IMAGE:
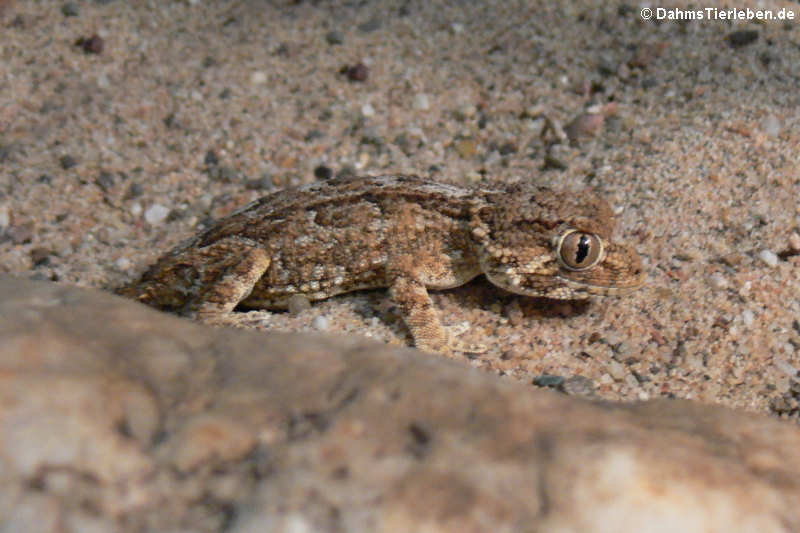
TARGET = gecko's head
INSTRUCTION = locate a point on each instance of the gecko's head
(538, 242)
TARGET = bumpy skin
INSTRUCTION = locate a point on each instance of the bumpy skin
(395, 231)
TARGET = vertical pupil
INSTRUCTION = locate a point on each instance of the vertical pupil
(582, 251)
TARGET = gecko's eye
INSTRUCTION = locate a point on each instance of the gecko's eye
(578, 251)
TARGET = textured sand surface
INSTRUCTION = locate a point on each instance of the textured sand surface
(192, 109)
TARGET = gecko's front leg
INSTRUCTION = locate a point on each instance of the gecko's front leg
(408, 282)
(237, 267)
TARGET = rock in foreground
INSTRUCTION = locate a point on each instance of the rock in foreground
(114, 417)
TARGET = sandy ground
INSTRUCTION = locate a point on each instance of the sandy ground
(191, 109)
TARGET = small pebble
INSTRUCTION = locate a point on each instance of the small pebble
(370, 25)
(211, 158)
(748, 317)
(136, 209)
(134, 191)
(259, 77)
(67, 162)
(616, 370)
(123, 263)
(323, 172)
(367, 110)
(794, 241)
(156, 214)
(334, 37)
(421, 102)
(70, 10)
(579, 386)
(468, 110)
(91, 45)
(5, 217)
(718, 281)
(769, 257)
(320, 323)
(40, 256)
(742, 38)
(457, 27)
(548, 380)
(771, 126)
(105, 180)
(357, 72)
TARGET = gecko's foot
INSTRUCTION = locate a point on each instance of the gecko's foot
(247, 320)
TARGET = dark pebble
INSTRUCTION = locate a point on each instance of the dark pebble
(67, 162)
(282, 50)
(313, 135)
(263, 183)
(41, 256)
(323, 173)
(225, 94)
(357, 72)
(70, 10)
(649, 83)
(606, 68)
(552, 162)
(171, 121)
(209, 62)
(548, 380)
(334, 37)
(507, 148)
(91, 45)
(211, 158)
(742, 38)
(105, 180)
(18, 22)
(370, 25)
(134, 191)
(45, 179)
(5, 153)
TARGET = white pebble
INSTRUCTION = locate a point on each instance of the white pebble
(718, 281)
(421, 102)
(794, 241)
(748, 317)
(123, 263)
(468, 110)
(320, 323)
(156, 214)
(5, 217)
(616, 370)
(136, 209)
(457, 27)
(768, 257)
(771, 125)
(259, 77)
(367, 110)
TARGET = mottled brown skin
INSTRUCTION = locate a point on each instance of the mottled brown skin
(395, 231)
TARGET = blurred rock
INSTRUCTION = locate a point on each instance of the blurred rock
(115, 417)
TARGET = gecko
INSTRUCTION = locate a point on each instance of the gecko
(400, 232)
